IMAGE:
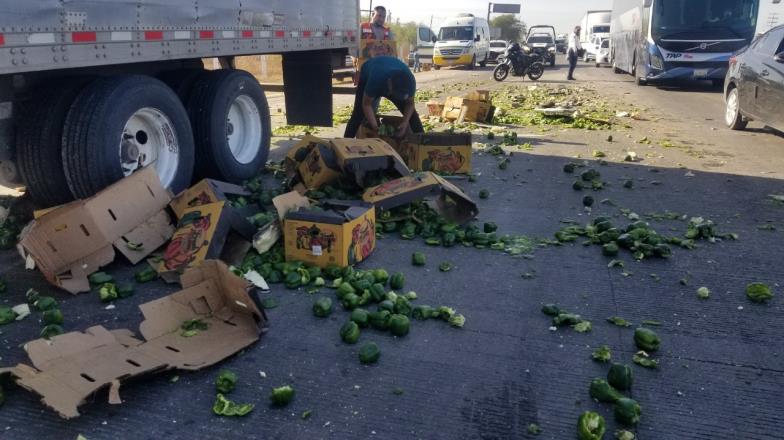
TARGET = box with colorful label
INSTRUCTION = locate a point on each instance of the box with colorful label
(443, 153)
(444, 197)
(211, 231)
(205, 192)
(368, 160)
(298, 152)
(320, 167)
(339, 233)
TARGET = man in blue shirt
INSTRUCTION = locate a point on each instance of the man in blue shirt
(390, 78)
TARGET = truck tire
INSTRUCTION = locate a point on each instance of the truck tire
(121, 124)
(39, 142)
(182, 81)
(231, 125)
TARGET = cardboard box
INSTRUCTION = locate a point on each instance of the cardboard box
(320, 167)
(343, 233)
(388, 120)
(365, 160)
(211, 231)
(71, 367)
(205, 192)
(444, 153)
(447, 199)
(435, 108)
(373, 48)
(298, 152)
(479, 95)
(69, 243)
(465, 110)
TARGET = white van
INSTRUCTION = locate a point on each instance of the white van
(462, 41)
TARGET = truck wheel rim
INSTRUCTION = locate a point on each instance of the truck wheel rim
(149, 139)
(732, 107)
(244, 129)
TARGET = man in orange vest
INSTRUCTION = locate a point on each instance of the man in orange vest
(375, 29)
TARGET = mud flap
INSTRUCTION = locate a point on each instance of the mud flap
(307, 79)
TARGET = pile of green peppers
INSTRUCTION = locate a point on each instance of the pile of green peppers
(638, 238)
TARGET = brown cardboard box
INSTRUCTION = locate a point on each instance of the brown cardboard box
(343, 233)
(465, 110)
(211, 231)
(435, 108)
(449, 200)
(365, 160)
(479, 95)
(74, 240)
(373, 48)
(444, 153)
(71, 367)
(205, 192)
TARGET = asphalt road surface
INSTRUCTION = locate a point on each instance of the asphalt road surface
(721, 371)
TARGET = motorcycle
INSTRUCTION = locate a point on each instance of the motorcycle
(521, 62)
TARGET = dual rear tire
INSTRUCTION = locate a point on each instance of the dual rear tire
(97, 131)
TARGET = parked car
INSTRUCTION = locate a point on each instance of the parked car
(561, 44)
(497, 48)
(754, 86)
(592, 48)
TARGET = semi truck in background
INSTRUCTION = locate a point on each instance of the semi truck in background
(657, 40)
(94, 90)
(595, 23)
(771, 14)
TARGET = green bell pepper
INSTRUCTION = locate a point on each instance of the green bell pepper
(349, 333)
(350, 301)
(646, 339)
(369, 353)
(418, 259)
(51, 330)
(100, 278)
(627, 411)
(53, 316)
(226, 381)
(322, 307)
(44, 303)
(381, 276)
(603, 391)
(402, 306)
(282, 396)
(551, 310)
(422, 312)
(399, 325)
(620, 376)
(397, 281)
(7, 315)
(758, 292)
(590, 426)
(379, 320)
(361, 317)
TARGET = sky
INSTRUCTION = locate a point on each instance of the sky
(563, 14)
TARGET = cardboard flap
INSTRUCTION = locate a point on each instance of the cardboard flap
(289, 202)
(204, 192)
(146, 238)
(449, 200)
(333, 212)
(439, 139)
(73, 366)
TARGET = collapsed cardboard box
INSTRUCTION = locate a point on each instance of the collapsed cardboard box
(444, 197)
(73, 366)
(339, 233)
(362, 160)
(205, 232)
(461, 110)
(72, 241)
(445, 153)
(392, 121)
(479, 95)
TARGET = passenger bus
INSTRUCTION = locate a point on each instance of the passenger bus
(658, 40)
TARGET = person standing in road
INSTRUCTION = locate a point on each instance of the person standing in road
(376, 29)
(390, 78)
(573, 52)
